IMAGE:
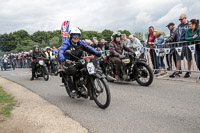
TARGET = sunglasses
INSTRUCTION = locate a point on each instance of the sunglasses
(75, 37)
(181, 19)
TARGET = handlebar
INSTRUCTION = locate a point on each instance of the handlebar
(88, 57)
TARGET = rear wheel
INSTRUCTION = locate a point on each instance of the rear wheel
(145, 75)
(101, 93)
(45, 74)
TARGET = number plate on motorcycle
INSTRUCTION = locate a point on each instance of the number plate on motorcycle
(91, 68)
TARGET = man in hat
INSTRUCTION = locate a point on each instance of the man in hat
(171, 39)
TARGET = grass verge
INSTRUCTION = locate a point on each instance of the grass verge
(6, 104)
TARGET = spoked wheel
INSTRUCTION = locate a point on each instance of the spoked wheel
(68, 90)
(55, 70)
(109, 73)
(145, 75)
(101, 93)
(45, 74)
(65, 80)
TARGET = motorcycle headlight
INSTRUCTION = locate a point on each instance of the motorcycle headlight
(82, 61)
(41, 62)
(137, 53)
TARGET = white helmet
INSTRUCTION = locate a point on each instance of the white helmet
(74, 31)
(48, 48)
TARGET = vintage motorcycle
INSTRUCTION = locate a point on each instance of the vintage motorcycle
(87, 79)
(41, 69)
(133, 68)
(55, 65)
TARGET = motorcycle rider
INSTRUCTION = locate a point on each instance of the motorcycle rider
(48, 54)
(116, 50)
(35, 54)
(77, 47)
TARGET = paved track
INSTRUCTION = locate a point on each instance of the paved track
(164, 107)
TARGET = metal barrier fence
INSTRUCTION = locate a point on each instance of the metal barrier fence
(166, 56)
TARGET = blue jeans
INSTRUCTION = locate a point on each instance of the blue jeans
(197, 57)
(161, 62)
(155, 60)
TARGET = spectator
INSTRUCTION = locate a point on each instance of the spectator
(88, 42)
(125, 40)
(150, 44)
(159, 39)
(171, 39)
(104, 46)
(135, 43)
(28, 56)
(181, 30)
(94, 39)
(97, 45)
(111, 38)
(193, 33)
(54, 51)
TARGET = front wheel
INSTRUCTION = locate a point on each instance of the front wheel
(45, 74)
(144, 75)
(101, 93)
(13, 66)
(55, 70)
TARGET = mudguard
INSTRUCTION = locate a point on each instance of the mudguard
(98, 75)
(141, 62)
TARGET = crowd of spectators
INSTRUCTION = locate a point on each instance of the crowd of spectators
(185, 31)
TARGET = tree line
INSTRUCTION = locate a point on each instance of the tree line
(22, 41)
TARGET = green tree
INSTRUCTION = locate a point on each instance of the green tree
(139, 35)
(163, 34)
(125, 32)
(146, 35)
(107, 34)
(54, 42)
(91, 34)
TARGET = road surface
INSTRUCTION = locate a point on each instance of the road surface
(164, 107)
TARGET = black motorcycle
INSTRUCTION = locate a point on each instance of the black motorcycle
(132, 68)
(87, 79)
(55, 65)
(13, 64)
(41, 69)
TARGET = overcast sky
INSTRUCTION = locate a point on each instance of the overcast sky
(132, 15)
